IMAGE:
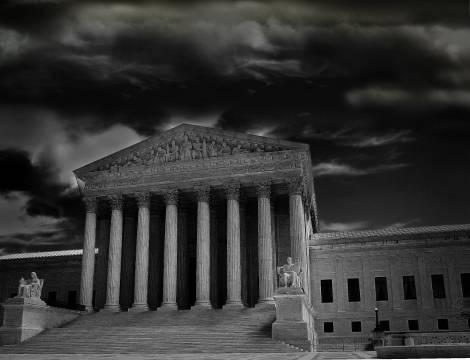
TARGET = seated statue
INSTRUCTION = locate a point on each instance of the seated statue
(290, 274)
(30, 288)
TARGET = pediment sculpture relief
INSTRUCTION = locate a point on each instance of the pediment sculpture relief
(290, 274)
(31, 288)
(186, 147)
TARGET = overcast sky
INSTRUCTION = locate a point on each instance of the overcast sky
(381, 94)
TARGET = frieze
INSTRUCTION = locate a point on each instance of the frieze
(141, 180)
(263, 162)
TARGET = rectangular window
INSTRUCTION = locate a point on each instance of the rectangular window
(72, 297)
(413, 325)
(438, 288)
(326, 291)
(409, 288)
(356, 326)
(443, 324)
(465, 281)
(381, 291)
(354, 293)
(384, 325)
(328, 327)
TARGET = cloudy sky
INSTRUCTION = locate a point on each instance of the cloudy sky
(380, 91)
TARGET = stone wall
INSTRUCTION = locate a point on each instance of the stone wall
(365, 260)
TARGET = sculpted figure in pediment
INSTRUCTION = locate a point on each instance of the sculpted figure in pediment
(204, 148)
(173, 151)
(224, 149)
(186, 147)
(196, 152)
(212, 149)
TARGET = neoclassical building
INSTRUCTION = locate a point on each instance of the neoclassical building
(222, 209)
(201, 218)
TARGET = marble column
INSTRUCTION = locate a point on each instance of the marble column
(114, 257)
(170, 251)
(203, 248)
(297, 226)
(142, 253)
(265, 246)
(233, 247)
(88, 257)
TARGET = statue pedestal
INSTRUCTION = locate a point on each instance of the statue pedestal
(26, 317)
(293, 323)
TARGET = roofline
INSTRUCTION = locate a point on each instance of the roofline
(255, 138)
(44, 254)
(334, 237)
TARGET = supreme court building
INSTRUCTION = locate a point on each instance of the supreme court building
(196, 217)
(201, 218)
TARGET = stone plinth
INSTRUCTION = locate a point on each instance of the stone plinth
(27, 317)
(293, 323)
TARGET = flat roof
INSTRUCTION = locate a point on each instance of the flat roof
(408, 232)
(44, 254)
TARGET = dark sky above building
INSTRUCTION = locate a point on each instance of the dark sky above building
(379, 89)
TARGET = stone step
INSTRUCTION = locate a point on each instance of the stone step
(159, 332)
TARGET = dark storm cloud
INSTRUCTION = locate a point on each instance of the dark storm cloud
(137, 65)
(378, 92)
(47, 196)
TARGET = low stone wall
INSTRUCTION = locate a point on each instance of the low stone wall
(24, 318)
(425, 338)
(423, 351)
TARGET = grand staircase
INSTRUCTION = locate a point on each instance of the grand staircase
(159, 332)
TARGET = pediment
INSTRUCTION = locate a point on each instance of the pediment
(187, 143)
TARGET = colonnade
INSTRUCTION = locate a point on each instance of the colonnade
(232, 192)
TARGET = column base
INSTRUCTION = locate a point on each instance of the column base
(233, 305)
(139, 308)
(111, 308)
(88, 308)
(168, 307)
(201, 305)
(265, 301)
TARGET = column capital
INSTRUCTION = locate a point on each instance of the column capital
(232, 191)
(116, 201)
(90, 203)
(171, 197)
(143, 199)
(295, 186)
(263, 189)
(203, 193)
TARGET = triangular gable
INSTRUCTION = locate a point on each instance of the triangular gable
(187, 143)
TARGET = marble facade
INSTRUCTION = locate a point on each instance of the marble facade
(195, 172)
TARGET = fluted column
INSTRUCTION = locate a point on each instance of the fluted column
(203, 248)
(297, 226)
(265, 246)
(88, 257)
(142, 253)
(114, 257)
(170, 262)
(233, 246)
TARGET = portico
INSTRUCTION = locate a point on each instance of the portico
(195, 217)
